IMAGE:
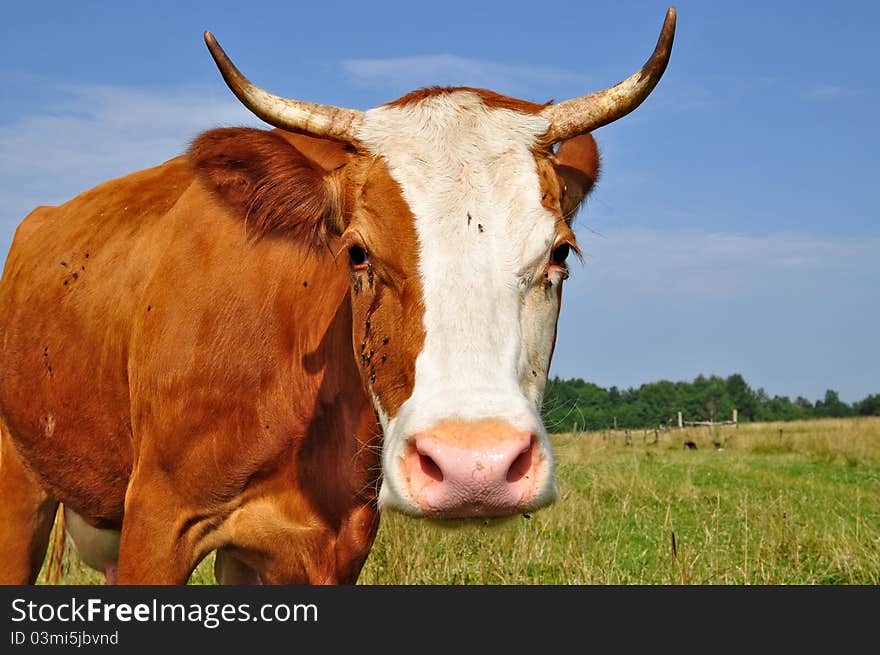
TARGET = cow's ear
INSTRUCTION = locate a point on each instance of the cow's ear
(578, 169)
(269, 184)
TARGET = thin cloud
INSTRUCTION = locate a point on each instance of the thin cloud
(695, 265)
(406, 73)
(94, 133)
(830, 92)
(794, 313)
(647, 303)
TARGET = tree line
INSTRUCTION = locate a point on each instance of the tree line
(578, 405)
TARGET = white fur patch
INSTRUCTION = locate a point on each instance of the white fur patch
(469, 176)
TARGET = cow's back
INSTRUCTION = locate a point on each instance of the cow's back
(70, 289)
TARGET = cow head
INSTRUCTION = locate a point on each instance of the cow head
(454, 214)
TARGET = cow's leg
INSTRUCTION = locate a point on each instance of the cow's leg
(304, 557)
(159, 542)
(281, 547)
(229, 570)
(26, 517)
(287, 552)
(355, 541)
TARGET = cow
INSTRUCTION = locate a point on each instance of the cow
(257, 346)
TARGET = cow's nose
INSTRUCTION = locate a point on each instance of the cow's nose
(462, 469)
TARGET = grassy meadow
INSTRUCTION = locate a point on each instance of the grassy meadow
(761, 503)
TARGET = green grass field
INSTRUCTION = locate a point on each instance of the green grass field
(779, 503)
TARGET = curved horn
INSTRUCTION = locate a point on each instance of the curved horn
(579, 115)
(307, 117)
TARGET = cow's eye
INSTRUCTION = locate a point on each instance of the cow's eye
(560, 254)
(358, 257)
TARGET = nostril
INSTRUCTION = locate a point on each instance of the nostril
(521, 465)
(430, 468)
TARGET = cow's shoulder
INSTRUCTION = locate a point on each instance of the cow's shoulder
(32, 222)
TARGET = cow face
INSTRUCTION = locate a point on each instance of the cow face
(452, 218)
(456, 230)
(455, 222)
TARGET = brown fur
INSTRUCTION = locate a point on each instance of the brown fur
(274, 188)
(578, 166)
(566, 178)
(205, 381)
(28, 514)
(387, 305)
(490, 99)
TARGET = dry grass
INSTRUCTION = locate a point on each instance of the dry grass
(800, 506)
(779, 503)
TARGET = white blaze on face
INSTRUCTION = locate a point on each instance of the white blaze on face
(468, 174)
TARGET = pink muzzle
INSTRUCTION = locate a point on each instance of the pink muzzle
(459, 469)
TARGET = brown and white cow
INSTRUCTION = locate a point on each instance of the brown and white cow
(254, 347)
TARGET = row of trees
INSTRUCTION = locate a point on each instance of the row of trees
(583, 405)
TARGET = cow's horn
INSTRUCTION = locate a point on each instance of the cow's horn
(307, 117)
(579, 115)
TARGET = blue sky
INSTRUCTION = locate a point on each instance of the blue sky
(734, 228)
